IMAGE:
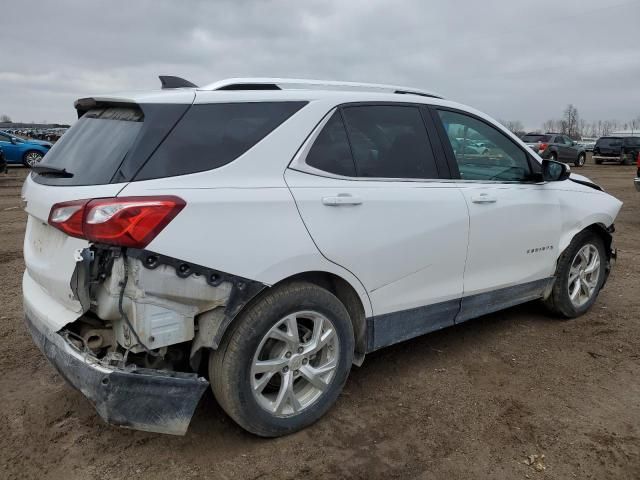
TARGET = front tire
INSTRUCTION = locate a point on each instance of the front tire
(286, 360)
(32, 158)
(580, 161)
(580, 275)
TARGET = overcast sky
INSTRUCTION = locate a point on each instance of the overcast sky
(515, 60)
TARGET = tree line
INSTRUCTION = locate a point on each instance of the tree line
(575, 127)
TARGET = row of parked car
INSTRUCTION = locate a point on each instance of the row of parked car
(46, 134)
(623, 149)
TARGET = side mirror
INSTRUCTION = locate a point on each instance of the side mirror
(553, 171)
(574, 143)
(14, 140)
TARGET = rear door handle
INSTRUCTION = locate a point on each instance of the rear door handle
(341, 199)
(484, 198)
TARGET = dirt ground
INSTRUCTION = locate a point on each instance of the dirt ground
(472, 401)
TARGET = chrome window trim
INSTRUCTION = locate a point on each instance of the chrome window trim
(299, 163)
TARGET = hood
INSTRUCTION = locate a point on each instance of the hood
(575, 176)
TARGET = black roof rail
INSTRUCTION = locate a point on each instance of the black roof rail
(251, 86)
(169, 81)
(421, 94)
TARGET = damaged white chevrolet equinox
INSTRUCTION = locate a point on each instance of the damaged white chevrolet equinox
(265, 234)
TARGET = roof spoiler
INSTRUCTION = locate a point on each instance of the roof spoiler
(169, 81)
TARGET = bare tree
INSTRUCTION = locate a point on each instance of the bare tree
(583, 128)
(5, 119)
(514, 126)
(570, 121)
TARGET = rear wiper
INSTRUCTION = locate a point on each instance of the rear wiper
(51, 171)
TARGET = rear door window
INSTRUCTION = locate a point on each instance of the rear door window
(632, 142)
(389, 141)
(212, 135)
(331, 151)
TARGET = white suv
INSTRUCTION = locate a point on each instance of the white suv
(277, 231)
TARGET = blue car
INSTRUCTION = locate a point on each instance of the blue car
(19, 150)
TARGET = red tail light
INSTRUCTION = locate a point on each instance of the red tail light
(542, 146)
(125, 221)
(68, 217)
(638, 160)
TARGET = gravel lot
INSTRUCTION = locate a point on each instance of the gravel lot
(472, 401)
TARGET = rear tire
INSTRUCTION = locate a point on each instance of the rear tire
(576, 288)
(265, 376)
(580, 161)
(598, 162)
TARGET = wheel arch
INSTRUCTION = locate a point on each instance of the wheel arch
(341, 288)
(602, 231)
(349, 297)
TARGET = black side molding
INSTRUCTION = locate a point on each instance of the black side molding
(169, 81)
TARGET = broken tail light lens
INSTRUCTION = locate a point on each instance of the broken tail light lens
(123, 221)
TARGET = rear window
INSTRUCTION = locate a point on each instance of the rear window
(95, 146)
(535, 138)
(609, 142)
(212, 135)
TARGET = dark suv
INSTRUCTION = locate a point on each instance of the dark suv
(3, 162)
(555, 146)
(623, 150)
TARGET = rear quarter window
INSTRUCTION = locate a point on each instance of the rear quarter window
(212, 135)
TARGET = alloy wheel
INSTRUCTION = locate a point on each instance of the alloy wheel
(33, 158)
(583, 275)
(294, 363)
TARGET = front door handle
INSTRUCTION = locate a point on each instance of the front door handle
(341, 199)
(484, 198)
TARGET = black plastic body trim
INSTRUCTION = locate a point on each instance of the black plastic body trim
(142, 399)
(390, 328)
(489, 302)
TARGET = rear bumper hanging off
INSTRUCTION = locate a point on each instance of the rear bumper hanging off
(142, 399)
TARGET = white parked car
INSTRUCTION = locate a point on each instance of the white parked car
(279, 230)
